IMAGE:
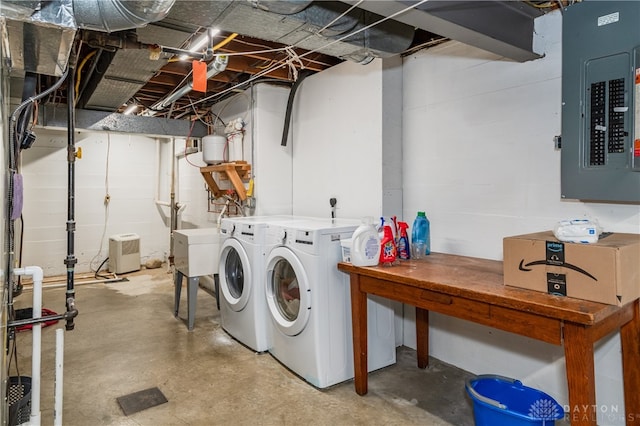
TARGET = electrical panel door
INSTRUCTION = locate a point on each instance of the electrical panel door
(601, 101)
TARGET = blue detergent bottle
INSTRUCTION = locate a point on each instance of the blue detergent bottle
(420, 236)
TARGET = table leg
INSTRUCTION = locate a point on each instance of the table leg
(422, 337)
(581, 381)
(192, 291)
(177, 290)
(630, 342)
(359, 329)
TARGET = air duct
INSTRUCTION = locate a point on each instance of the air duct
(299, 23)
(41, 34)
(216, 66)
(283, 7)
(372, 36)
(117, 15)
(505, 28)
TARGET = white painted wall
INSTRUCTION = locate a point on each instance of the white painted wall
(263, 108)
(347, 144)
(122, 166)
(137, 172)
(479, 157)
(337, 142)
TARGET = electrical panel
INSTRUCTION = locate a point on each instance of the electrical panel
(601, 101)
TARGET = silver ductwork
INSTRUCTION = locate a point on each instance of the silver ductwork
(216, 66)
(129, 69)
(505, 28)
(283, 7)
(117, 15)
(291, 22)
(298, 23)
(41, 33)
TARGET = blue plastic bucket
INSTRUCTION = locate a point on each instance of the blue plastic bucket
(501, 401)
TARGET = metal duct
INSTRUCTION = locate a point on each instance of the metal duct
(216, 66)
(37, 48)
(297, 23)
(117, 15)
(502, 27)
(18, 9)
(41, 33)
(128, 70)
(383, 40)
(291, 22)
(283, 7)
(40, 41)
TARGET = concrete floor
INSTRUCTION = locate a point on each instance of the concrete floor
(126, 339)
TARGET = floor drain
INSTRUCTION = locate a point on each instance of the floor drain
(141, 400)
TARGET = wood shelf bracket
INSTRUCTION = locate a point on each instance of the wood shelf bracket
(235, 172)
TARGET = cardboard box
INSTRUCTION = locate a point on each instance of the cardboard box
(607, 271)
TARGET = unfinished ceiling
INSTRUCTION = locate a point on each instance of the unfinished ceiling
(125, 53)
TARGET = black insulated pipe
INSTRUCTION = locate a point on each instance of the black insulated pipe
(28, 91)
(31, 321)
(292, 95)
(70, 261)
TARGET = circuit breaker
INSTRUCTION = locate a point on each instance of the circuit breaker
(601, 101)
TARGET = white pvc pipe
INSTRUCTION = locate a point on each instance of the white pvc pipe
(37, 275)
(158, 201)
(57, 411)
(224, 209)
(56, 284)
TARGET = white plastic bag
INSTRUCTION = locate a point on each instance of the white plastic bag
(577, 231)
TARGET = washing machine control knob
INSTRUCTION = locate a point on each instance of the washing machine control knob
(282, 235)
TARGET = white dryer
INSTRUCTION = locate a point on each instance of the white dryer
(309, 303)
(243, 310)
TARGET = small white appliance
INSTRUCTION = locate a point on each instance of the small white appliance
(124, 253)
(309, 303)
(243, 308)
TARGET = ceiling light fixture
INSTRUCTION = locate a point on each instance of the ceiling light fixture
(131, 109)
(201, 42)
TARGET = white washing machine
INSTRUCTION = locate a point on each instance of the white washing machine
(243, 309)
(309, 303)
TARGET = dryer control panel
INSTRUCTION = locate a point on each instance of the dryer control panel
(601, 101)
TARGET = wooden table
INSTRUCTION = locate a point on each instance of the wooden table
(472, 289)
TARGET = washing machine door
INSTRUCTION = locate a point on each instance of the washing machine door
(234, 274)
(288, 295)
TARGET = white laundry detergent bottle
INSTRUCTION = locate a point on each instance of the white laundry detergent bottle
(365, 246)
